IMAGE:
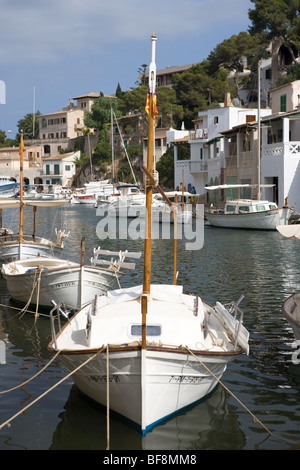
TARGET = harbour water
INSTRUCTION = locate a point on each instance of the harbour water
(258, 406)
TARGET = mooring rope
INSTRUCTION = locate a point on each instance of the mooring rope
(107, 400)
(7, 423)
(33, 377)
(255, 419)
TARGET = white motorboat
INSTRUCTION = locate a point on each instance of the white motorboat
(147, 352)
(249, 214)
(291, 306)
(39, 280)
(90, 192)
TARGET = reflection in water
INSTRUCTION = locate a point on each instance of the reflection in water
(263, 266)
(83, 426)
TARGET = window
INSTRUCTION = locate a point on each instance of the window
(244, 208)
(230, 208)
(151, 330)
(50, 122)
(260, 208)
(47, 169)
(67, 167)
(216, 120)
(245, 193)
(283, 103)
(56, 169)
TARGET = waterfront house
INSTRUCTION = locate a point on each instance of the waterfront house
(59, 169)
(207, 151)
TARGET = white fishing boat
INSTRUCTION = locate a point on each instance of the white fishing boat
(20, 245)
(249, 214)
(36, 281)
(147, 352)
(291, 306)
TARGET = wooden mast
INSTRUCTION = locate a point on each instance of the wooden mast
(148, 188)
(151, 110)
(21, 190)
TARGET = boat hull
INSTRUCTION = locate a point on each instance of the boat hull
(11, 249)
(291, 311)
(178, 379)
(265, 220)
(74, 286)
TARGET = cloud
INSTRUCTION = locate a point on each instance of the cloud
(50, 32)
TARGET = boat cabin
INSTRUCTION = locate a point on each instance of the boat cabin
(244, 206)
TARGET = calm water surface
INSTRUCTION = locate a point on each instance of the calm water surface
(263, 266)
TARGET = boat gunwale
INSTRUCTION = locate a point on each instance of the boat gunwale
(129, 348)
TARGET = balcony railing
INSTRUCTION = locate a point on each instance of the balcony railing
(192, 166)
(199, 134)
(281, 149)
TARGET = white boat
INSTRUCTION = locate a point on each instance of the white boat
(133, 204)
(291, 306)
(123, 196)
(15, 246)
(37, 281)
(147, 352)
(90, 192)
(249, 214)
(8, 187)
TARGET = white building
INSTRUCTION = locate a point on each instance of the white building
(207, 145)
(59, 169)
(280, 153)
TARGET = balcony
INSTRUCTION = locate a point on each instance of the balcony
(199, 134)
(281, 149)
(192, 166)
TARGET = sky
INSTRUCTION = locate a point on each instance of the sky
(53, 51)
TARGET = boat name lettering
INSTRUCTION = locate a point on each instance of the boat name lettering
(63, 284)
(188, 379)
(103, 378)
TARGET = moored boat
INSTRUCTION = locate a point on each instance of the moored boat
(150, 350)
(39, 280)
(249, 214)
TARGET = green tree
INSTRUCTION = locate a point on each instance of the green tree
(165, 168)
(100, 113)
(292, 75)
(119, 92)
(277, 22)
(231, 55)
(133, 100)
(2, 137)
(197, 89)
(170, 113)
(142, 80)
(29, 125)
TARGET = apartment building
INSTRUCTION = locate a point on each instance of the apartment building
(57, 129)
